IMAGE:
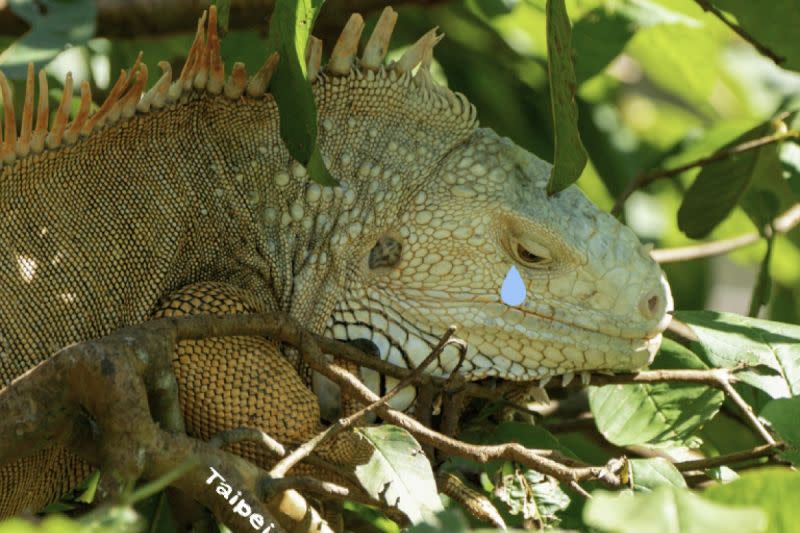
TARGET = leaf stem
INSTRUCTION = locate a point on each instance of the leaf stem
(782, 224)
(708, 6)
(646, 178)
(764, 450)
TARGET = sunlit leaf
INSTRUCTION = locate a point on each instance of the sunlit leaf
(664, 414)
(730, 340)
(773, 490)
(669, 510)
(55, 26)
(399, 473)
(783, 415)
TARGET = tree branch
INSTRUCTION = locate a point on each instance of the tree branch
(646, 178)
(782, 224)
(708, 6)
(765, 450)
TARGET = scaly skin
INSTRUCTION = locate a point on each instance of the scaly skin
(197, 186)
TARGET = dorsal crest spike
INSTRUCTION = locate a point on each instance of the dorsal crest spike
(157, 95)
(132, 97)
(260, 81)
(417, 52)
(236, 84)
(83, 112)
(24, 141)
(99, 117)
(378, 44)
(9, 150)
(42, 115)
(56, 134)
(216, 67)
(313, 57)
(346, 46)
(196, 52)
(201, 70)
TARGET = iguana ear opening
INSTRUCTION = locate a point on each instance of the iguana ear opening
(386, 253)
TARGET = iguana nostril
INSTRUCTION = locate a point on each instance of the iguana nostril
(650, 305)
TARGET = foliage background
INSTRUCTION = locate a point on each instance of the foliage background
(659, 83)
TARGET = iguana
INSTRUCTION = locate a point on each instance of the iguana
(184, 199)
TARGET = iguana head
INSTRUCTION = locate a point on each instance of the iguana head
(475, 206)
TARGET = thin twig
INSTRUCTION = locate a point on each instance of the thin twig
(782, 224)
(764, 450)
(301, 452)
(749, 415)
(244, 434)
(272, 486)
(708, 6)
(580, 490)
(646, 178)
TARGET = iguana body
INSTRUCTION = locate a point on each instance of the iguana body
(190, 183)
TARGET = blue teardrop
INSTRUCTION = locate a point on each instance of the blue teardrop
(512, 292)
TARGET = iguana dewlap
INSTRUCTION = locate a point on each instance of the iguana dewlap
(190, 182)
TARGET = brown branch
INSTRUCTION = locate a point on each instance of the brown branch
(304, 450)
(646, 178)
(708, 6)
(232, 436)
(782, 224)
(765, 450)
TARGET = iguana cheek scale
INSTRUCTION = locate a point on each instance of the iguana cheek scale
(184, 198)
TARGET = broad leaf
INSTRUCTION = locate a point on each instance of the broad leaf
(664, 414)
(399, 473)
(730, 340)
(783, 415)
(530, 494)
(773, 490)
(669, 510)
(599, 36)
(648, 474)
(570, 156)
(55, 26)
(289, 32)
(769, 23)
(721, 184)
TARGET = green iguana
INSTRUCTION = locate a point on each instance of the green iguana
(183, 199)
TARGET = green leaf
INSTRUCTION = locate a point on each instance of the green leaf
(399, 473)
(773, 490)
(289, 32)
(223, 15)
(668, 510)
(598, 37)
(648, 474)
(529, 493)
(55, 26)
(729, 340)
(769, 23)
(681, 58)
(570, 156)
(782, 415)
(720, 185)
(662, 415)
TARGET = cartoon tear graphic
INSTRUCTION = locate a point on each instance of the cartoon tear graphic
(512, 292)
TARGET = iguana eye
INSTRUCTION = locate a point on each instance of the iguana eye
(532, 255)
